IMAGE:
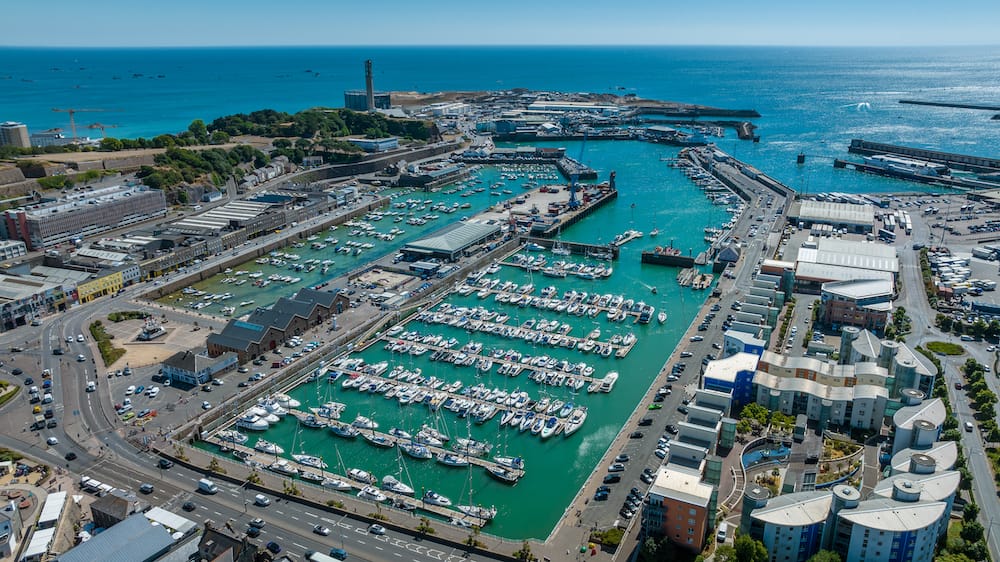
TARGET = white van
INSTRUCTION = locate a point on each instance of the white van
(207, 486)
(91, 386)
(720, 535)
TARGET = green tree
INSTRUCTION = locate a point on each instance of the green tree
(944, 322)
(743, 426)
(111, 144)
(524, 553)
(198, 129)
(755, 412)
(954, 557)
(219, 137)
(970, 512)
(824, 556)
(979, 328)
(749, 550)
(725, 553)
(972, 531)
(977, 551)
(993, 331)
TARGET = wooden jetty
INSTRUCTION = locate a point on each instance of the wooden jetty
(264, 460)
(576, 248)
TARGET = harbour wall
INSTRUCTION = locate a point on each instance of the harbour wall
(950, 159)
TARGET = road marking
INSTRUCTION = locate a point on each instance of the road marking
(300, 546)
(295, 518)
(379, 548)
(310, 514)
(361, 542)
(279, 511)
(217, 513)
(397, 554)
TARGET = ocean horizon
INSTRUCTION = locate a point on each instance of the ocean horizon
(812, 100)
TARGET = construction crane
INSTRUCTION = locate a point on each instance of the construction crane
(101, 126)
(72, 122)
(573, 201)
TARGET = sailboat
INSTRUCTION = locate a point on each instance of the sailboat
(390, 483)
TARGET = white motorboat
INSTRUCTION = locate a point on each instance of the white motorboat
(286, 401)
(515, 463)
(336, 484)
(232, 436)
(361, 422)
(372, 494)
(283, 467)
(435, 498)
(252, 422)
(393, 485)
(416, 450)
(661, 317)
(310, 461)
(486, 513)
(268, 447)
(361, 476)
(575, 420)
(450, 459)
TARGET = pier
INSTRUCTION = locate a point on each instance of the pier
(590, 199)
(576, 248)
(954, 105)
(264, 460)
(946, 181)
(625, 238)
(667, 255)
(952, 160)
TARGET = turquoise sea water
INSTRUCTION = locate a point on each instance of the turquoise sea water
(812, 101)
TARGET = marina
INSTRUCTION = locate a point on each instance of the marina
(620, 372)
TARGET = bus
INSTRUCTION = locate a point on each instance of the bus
(886, 235)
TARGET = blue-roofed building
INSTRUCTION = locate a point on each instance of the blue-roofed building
(136, 539)
(268, 328)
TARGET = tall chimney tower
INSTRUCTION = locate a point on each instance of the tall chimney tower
(369, 85)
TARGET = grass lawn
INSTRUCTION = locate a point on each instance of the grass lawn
(945, 348)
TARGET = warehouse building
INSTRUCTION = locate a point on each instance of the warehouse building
(853, 218)
(452, 242)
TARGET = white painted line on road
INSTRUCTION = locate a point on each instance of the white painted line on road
(379, 548)
(397, 554)
(310, 514)
(279, 511)
(295, 518)
(361, 542)
(217, 513)
(300, 545)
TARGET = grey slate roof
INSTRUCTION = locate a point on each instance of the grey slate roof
(135, 539)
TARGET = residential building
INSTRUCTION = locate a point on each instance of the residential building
(918, 424)
(864, 303)
(895, 525)
(218, 545)
(109, 510)
(677, 507)
(10, 249)
(197, 367)
(733, 375)
(852, 396)
(742, 342)
(13, 133)
(939, 457)
(83, 214)
(905, 367)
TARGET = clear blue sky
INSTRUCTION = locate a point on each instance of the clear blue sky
(40, 23)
